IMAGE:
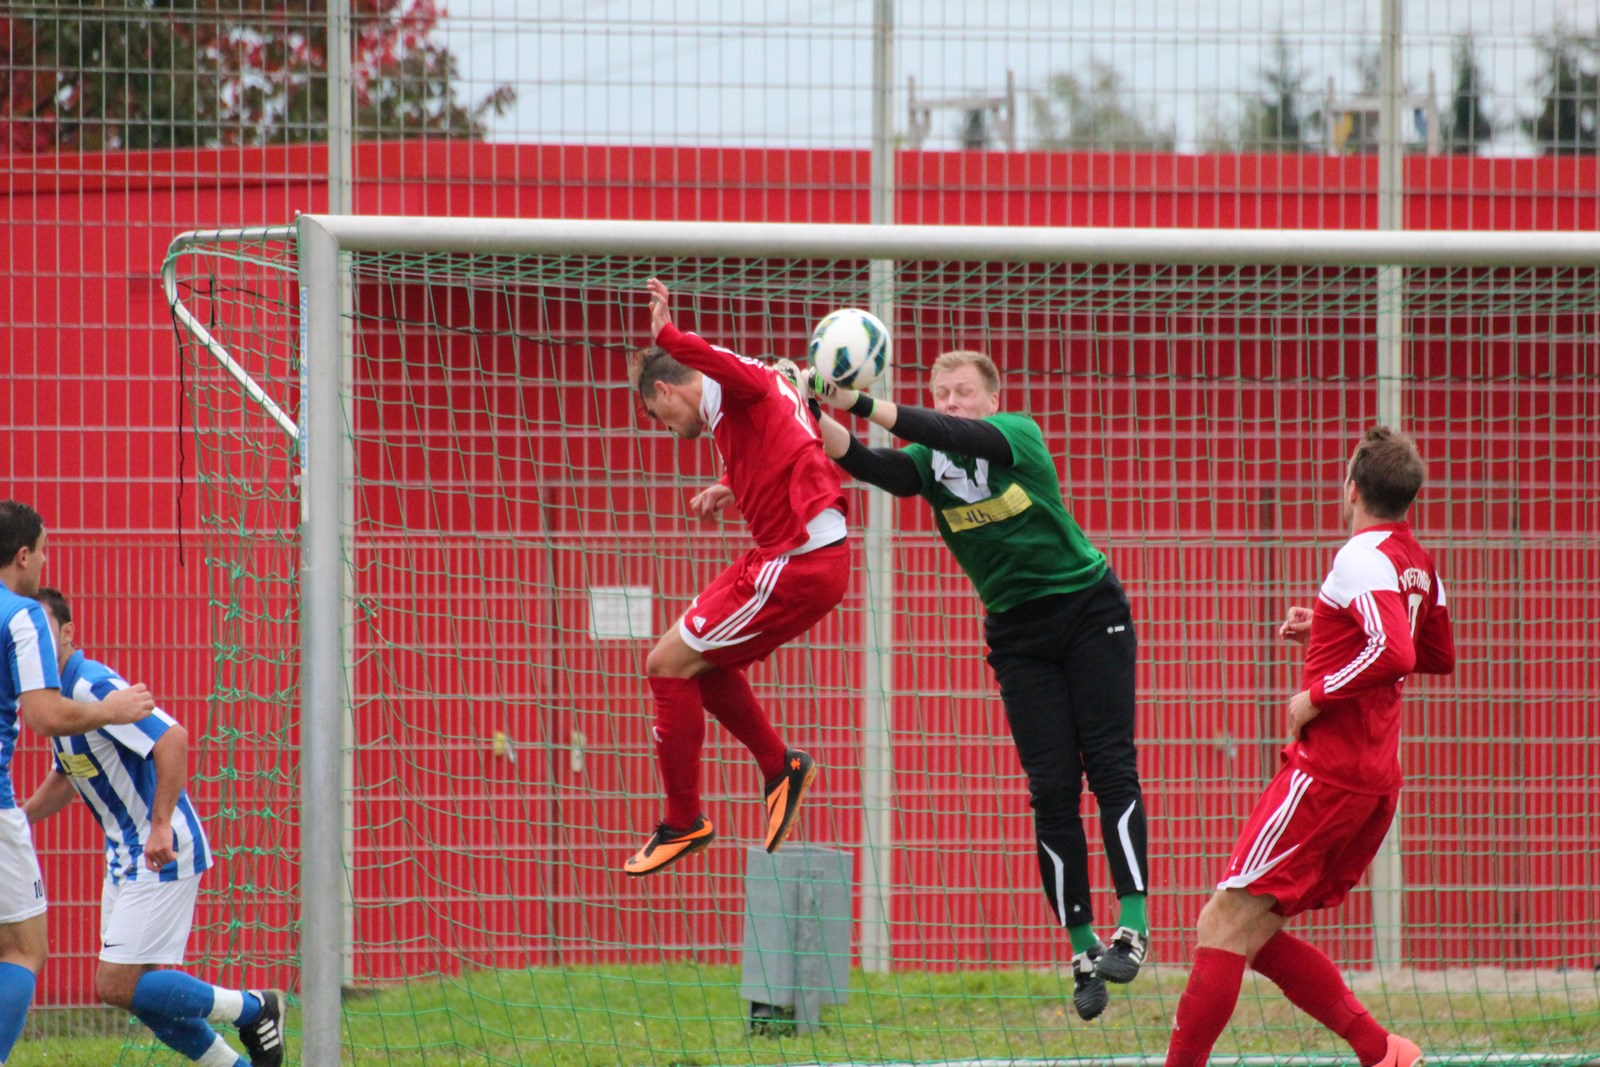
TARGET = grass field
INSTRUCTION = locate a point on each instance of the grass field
(688, 1016)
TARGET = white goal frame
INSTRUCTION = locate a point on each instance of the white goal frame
(327, 466)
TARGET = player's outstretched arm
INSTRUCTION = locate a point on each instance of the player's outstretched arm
(884, 413)
(835, 438)
(171, 757)
(53, 794)
(887, 468)
(944, 433)
(50, 714)
(660, 312)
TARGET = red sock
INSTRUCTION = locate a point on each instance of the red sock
(1206, 1006)
(727, 695)
(1314, 985)
(680, 729)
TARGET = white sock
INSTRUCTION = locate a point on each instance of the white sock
(226, 1005)
(219, 1054)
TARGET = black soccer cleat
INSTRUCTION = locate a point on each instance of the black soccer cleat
(1121, 962)
(1089, 994)
(263, 1039)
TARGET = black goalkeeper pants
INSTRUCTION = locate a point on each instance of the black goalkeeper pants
(1065, 666)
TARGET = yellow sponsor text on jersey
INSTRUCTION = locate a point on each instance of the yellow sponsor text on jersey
(1014, 501)
(77, 764)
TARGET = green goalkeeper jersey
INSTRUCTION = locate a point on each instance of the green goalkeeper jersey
(1007, 525)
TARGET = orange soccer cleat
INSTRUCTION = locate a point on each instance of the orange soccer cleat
(667, 846)
(784, 793)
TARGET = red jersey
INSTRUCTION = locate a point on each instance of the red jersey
(1380, 615)
(771, 448)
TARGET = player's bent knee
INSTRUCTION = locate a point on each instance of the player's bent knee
(1230, 918)
(25, 944)
(671, 658)
(1060, 800)
(1213, 922)
(1115, 792)
(114, 984)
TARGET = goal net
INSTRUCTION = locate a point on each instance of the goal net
(510, 535)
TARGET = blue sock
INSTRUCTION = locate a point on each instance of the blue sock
(251, 1010)
(16, 993)
(174, 1006)
(172, 994)
(188, 1035)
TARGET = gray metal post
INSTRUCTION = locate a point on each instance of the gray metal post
(1391, 215)
(323, 932)
(877, 702)
(341, 110)
(1388, 881)
(341, 201)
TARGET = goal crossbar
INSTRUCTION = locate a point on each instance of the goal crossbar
(381, 233)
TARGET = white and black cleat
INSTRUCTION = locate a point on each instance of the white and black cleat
(1121, 961)
(263, 1038)
(1089, 994)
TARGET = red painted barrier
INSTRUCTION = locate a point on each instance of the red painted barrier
(1216, 520)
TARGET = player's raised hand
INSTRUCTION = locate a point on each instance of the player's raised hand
(827, 392)
(708, 503)
(129, 705)
(1297, 627)
(660, 314)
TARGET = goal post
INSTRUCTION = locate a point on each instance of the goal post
(1199, 386)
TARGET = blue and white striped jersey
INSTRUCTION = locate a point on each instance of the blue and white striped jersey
(113, 771)
(30, 661)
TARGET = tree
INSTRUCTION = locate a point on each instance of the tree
(1468, 126)
(1568, 123)
(975, 129)
(1272, 120)
(201, 73)
(1095, 115)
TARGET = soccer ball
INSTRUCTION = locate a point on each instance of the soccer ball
(850, 348)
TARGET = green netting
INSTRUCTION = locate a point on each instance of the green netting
(519, 537)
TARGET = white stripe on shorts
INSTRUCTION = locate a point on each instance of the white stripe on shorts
(727, 632)
(1255, 862)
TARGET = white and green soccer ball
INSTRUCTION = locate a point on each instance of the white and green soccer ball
(850, 348)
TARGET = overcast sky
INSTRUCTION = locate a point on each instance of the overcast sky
(757, 72)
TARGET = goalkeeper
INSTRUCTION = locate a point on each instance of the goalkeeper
(1059, 630)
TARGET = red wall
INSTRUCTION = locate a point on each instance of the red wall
(1202, 466)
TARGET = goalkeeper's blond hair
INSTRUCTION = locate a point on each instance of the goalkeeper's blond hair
(966, 357)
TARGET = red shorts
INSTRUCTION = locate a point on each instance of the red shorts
(762, 602)
(1307, 843)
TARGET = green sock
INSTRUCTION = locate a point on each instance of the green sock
(1082, 937)
(1132, 914)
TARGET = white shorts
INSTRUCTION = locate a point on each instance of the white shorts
(147, 922)
(21, 883)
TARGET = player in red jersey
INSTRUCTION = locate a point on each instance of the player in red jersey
(789, 492)
(1379, 617)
